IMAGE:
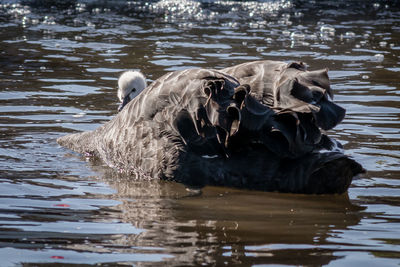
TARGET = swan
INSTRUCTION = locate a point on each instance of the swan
(130, 84)
(300, 99)
(255, 126)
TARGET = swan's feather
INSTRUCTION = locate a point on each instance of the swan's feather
(260, 121)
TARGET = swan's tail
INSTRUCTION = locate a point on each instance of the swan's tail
(79, 142)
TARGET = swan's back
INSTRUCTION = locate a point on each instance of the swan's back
(178, 112)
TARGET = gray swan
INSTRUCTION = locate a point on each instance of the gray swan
(256, 126)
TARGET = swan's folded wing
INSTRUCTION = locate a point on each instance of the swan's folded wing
(290, 86)
(261, 76)
(300, 100)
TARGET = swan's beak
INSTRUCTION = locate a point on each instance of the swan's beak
(124, 102)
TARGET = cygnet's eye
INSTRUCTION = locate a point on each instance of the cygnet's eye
(134, 90)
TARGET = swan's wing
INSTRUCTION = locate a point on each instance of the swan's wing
(300, 100)
(291, 87)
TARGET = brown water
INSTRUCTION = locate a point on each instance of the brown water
(58, 72)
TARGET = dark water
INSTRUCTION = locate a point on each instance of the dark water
(58, 71)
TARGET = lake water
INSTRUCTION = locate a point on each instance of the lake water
(59, 64)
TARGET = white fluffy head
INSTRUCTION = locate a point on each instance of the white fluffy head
(130, 83)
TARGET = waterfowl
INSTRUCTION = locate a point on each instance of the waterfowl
(253, 126)
(130, 84)
(300, 101)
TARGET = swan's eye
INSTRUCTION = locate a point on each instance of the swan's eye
(133, 90)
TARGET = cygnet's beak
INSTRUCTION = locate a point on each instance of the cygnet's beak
(124, 102)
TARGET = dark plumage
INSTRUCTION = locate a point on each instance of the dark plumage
(255, 125)
(299, 105)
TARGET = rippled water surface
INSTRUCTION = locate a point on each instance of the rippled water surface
(59, 63)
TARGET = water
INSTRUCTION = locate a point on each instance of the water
(58, 71)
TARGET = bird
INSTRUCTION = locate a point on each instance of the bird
(130, 84)
(300, 99)
(257, 125)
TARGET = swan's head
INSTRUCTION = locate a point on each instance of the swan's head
(130, 84)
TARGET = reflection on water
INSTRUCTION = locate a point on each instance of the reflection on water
(218, 228)
(58, 71)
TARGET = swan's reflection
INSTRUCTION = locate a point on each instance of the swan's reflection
(231, 226)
